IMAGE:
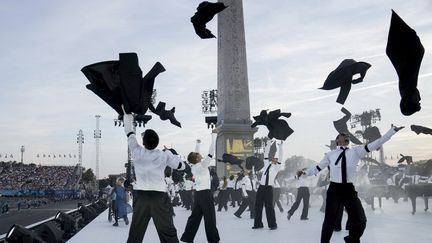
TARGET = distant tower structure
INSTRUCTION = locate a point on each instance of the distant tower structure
(80, 141)
(97, 136)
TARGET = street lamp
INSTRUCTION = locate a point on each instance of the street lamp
(22, 153)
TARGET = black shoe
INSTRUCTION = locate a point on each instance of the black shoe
(289, 215)
(273, 228)
(304, 219)
(115, 224)
(238, 216)
(257, 227)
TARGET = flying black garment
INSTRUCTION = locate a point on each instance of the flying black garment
(342, 77)
(278, 128)
(120, 82)
(420, 129)
(342, 127)
(104, 82)
(130, 82)
(405, 51)
(136, 90)
(111, 98)
(231, 159)
(205, 12)
(403, 158)
(165, 114)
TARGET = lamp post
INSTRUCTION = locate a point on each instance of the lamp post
(80, 141)
(22, 153)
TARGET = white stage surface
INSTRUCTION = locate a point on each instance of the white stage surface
(391, 224)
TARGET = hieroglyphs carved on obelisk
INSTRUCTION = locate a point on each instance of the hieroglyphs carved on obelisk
(235, 136)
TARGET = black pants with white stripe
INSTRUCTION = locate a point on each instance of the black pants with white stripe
(264, 197)
(203, 207)
(343, 194)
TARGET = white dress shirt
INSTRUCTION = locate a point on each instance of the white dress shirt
(272, 171)
(201, 172)
(353, 156)
(247, 185)
(149, 164)
(188, 185)
(302, 181)
(231, 183)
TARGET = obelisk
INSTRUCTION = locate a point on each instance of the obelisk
(235, 135)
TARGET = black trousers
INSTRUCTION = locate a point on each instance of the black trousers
(343, 194)
(230, 196)
(203, 206)
(302, 195)
(264, 197)
(237, 195)
(247, 201)
(223, 200)
(338, 222)
(155, 205)
(276, 198)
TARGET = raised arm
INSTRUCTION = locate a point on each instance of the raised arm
(317, 168)
(130, 133)
(174, 160)
(363, 150)
(280, 158)
(209, 157)
(197, 146)
(266, 153)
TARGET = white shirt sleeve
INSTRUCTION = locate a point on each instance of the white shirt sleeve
(280, 158)
(321, 165)
(209, 157)
(244, 187)
(134, 147)
(174, 161)
(363, 150)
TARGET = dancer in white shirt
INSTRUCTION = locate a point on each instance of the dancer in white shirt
(203, 205)
(343, 164)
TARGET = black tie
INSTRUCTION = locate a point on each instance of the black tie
(267, 175)
(344, 169)
(251, 184)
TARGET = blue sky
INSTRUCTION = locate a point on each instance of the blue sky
(291, 48)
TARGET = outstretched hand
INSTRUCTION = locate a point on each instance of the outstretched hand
(397, 128)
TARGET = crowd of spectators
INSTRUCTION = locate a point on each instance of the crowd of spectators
(19, 176)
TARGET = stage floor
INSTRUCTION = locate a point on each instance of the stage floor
(391, 224)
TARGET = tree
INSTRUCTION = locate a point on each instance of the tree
(88, 176)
